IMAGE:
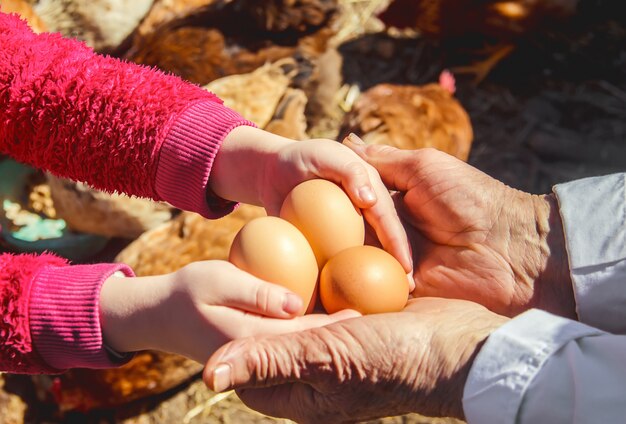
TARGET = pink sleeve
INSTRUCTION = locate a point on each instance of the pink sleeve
(116, 125)
(50, 315)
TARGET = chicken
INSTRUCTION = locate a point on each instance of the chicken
(102, 24)
(264, 97)
(220, 39)
(412, 117)
(289, 118)
(164, 11)
(255, 95)
(228, 38)
(24, 9)
(504, 21)
(288, 15)
(111, 215)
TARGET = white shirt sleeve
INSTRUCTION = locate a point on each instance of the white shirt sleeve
(540, 368)
(544, 368)
(593, 211)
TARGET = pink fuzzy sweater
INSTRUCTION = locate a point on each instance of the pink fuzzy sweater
(117, 126)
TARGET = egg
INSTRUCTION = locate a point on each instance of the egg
(324, 213)
(272, 249)
(364, 278)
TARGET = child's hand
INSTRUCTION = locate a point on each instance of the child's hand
(257, 167)
(194, 311)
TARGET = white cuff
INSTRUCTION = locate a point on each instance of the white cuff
(593, 211)
(510, 359)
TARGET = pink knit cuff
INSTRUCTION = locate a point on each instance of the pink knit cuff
(187, 155)
(65, 316)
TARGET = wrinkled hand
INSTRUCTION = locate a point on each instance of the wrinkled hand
(194, 311)
(472, 236)
(416, 360)
(256, 167)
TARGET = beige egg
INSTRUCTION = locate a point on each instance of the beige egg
(324, 213)
(274, 250)
(364, 278)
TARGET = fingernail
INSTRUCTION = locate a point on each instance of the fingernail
(355, 139)
(221, 378)
(292, 303)
(367, 195)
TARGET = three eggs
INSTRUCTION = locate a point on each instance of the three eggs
(317, 246)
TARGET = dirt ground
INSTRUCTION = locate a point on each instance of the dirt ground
(553, 111)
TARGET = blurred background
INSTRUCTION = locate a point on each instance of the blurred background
(532, 92)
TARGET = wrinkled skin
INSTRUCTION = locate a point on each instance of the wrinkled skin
(473, 237)
(416, 360)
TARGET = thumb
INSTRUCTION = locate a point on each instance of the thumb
(270, 360)
(395, 166)
(257, 362)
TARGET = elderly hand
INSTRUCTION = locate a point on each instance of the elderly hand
(416, 360)
(260, 168)
(473, 237)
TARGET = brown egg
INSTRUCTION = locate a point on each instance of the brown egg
(363, 278)
(324, 213)
(274, 250)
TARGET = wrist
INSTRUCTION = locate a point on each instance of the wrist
(554, 291)
(131, 312)
(471, 342)
(240, 165)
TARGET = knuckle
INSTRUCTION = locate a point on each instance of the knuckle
(262, 297)
(380, 149)
(357, 169)
(426, 154)
(261, 363)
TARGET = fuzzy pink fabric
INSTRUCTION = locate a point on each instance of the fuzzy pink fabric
(97, 119)
(115, 125)
(16, 277)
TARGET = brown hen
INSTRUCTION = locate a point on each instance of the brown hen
(504, 21)
(226, 38)
(287, 15)
(412, 117)
(222, 38)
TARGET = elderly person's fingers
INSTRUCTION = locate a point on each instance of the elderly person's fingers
(268, 361)
(395, 166)
(416, 360)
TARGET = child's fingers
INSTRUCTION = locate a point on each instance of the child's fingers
(384, 219)
(248, 293)
(345, 168)
(303, 323)
(357, 183)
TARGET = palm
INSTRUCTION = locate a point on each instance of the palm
(378, 365)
